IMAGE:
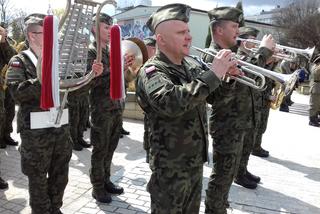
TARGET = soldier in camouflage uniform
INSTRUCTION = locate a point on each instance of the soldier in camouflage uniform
(106, 119)
(45, 152)
(172, 89)
(232, 109)
(151, 48)
(314, 102)
(6, 52)
(6, 128)
(78, 103)
(260, 99)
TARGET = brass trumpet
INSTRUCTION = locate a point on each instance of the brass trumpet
(287, 80)
(282, 52)
(257, 83)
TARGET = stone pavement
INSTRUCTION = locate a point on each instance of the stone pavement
(290, 176)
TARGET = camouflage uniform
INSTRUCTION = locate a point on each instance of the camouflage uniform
(45, 152)
(173, 97)
(106, 118)
(232, 116)
(286, 69)
(314, 102)
(78, 103)
(6, 113)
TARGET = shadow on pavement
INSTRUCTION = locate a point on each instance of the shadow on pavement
(312, 173)
(263, 200)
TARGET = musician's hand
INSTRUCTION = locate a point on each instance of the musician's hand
(268, 42)
(3, 34)
(97, 68)
(128, 61)
(272, 98)
(223, 62)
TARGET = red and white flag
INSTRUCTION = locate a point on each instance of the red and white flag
(50, 63)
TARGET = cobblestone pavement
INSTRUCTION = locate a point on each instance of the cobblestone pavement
(290, 176)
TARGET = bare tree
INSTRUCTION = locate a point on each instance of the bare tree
(5, 11)
(301, 23)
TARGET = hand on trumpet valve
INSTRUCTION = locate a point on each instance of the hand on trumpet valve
(224, 64)
(97, 68)
(128, 61)
(268, 42)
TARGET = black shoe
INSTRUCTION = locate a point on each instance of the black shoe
(77, 146)
(101, 195)
(260, 153)
(284, 109)
(84, 143)
(124, 132)
(121, 136)
(3, 145)
(3, 184)
(290, 103)
(245, 182)
(113, 189)
(252, 177)
(311, 123)
(9, 141)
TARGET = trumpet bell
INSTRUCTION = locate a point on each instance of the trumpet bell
(136, 48)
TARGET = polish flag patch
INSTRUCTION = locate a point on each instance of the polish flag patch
(150, 69)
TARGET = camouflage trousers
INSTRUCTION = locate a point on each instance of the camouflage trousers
(78, 116)
(146, 137)
(2, 115)
(175, 191)
(104, 136)
(248, 144)
(45, 156)
(9, 106)
(227, 150)
(260, 130)
(314, 102)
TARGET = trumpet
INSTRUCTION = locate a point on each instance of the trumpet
(282, 52)
(286, 80)
(257, 83)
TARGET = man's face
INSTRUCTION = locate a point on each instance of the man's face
(229, 33)
(36, 36)
(178, 38)
(105, 32)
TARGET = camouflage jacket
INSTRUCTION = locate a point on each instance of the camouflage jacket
(6, 52)
(315, 80)
(25, 88)
(174, 99)
(100, 86)
(232, 103)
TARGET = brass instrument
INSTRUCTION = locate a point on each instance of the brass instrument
(257, 83)
(137, 48)
(282, 52)
(278, 94)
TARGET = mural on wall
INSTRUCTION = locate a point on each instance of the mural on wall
(135, 28)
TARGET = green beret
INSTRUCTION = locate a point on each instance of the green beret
(250, 31)
(225, 13)
(168, 12)
(149, 41)
(104, 18)
(34, 18)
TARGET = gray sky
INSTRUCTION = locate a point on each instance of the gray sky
(251, 7)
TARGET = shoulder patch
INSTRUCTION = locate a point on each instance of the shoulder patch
(15, 64)
(150, 69)
(153, 84)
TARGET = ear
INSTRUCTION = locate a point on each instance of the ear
(219, 30)
(160, 39)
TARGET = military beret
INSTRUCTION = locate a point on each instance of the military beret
(168, 12)
(103, 17)
(149, 41)
(34, 18)
(225, 13)
(250, 31)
